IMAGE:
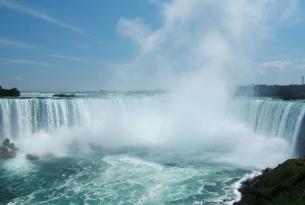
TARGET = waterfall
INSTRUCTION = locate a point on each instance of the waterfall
(25, 116)
(275, 118)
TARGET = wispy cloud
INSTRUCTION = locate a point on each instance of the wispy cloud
(301, 67)
(22, 62)
(6, 42)
(277, 65)
(18, 78)
(85, 60)
(38, 14)
(68, 58)
(134, 29)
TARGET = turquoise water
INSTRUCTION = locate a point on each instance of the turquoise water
(130, 176)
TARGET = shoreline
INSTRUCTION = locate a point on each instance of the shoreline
(237, 185)
(284, 184)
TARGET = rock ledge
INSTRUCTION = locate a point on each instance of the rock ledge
(282, 185)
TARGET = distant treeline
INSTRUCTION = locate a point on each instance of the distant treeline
(9, 92)
(285, 92)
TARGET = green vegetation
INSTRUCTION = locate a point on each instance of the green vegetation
(284, 92)
(9, 92)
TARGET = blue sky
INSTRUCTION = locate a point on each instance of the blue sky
(84, 45)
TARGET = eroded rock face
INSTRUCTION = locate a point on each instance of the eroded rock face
(282, 185)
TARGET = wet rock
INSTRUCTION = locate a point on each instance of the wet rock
(6, 142)
(11, 146)
(267, 170)
(5, 153)
(7, 150)
(31, 157)
(301, 162)
(282, 185)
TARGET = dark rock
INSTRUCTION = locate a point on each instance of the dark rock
(282, 185)
(62, 95)
(267, 170)
(301, 162)
(9, 92)
(31, 157)
(6, 142)
(7, 150)
(5, 153)
(11, 146)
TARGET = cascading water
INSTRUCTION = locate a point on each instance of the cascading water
(274, 118)
(23, 117)
(19, 117)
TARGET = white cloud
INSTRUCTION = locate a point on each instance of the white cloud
(135, 29)
(6, 42)
(22, 62)
(17, 7)
(273, 65)
(198, 35)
